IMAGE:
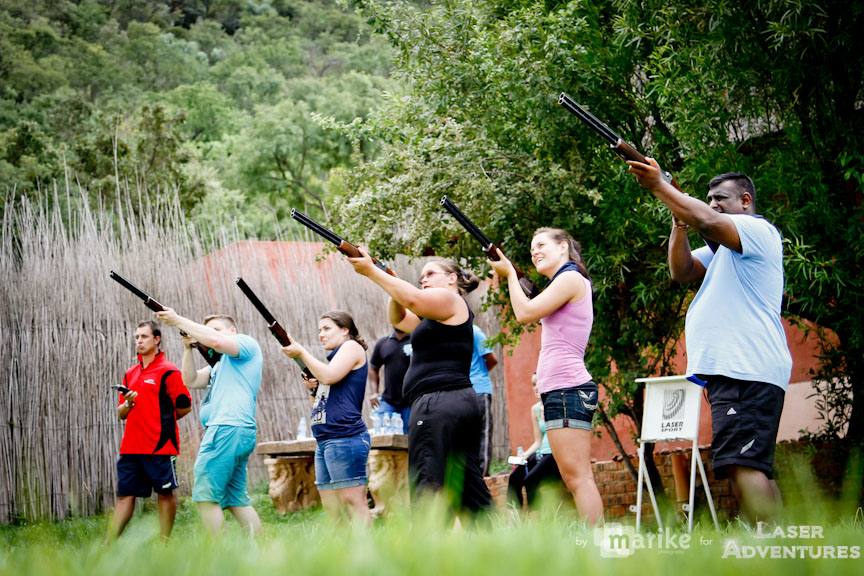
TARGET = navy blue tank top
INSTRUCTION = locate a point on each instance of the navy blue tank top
(440, 358)
(337, 412)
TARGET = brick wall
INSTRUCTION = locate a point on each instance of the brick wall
(618, 489)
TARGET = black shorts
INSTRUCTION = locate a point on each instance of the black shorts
(745, 418)
(138, 474)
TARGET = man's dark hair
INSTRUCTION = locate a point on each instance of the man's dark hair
(224, 317)
(154, 329)
(741, 180)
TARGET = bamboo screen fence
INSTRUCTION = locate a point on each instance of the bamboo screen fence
(67, 334)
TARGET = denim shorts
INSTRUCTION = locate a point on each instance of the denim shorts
(570, 407)
(220, 470)
(341, 462)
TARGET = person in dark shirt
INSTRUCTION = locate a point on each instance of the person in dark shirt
(446, 415)
(337, 420)
(393, 352)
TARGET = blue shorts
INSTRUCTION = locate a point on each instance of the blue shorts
(570, 407)
(341, 462)
(220, 470)
(138, 474)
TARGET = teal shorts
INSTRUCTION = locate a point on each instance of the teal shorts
(220, 470)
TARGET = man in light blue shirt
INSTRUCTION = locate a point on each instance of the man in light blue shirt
(482, 361)
(227, 414)
(736, 345)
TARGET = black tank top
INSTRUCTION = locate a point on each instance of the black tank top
(440, 357)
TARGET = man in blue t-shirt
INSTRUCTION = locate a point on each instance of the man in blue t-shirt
(736, 345)
(482, 361)
(227, 414)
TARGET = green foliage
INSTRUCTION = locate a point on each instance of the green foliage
(214, 98)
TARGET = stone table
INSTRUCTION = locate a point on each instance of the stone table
(291, 467)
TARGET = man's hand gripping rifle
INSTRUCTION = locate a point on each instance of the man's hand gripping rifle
(624, 150)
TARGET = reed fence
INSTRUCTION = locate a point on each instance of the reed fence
(67, 334)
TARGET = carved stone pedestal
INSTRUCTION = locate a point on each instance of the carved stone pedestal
(388, 480)
(292, 483)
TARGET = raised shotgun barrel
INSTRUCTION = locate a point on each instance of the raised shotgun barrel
(342, 245)
(275, 328)
(618, 145)
(210, 355)
(489, 248)
(148, 301)
(486, 244)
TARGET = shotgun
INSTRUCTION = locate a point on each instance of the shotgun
(489, 248)
(624, 150)
(275, 328)
(342, 245)
(210, 355)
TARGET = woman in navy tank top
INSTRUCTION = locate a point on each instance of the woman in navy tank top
(337, 420)
(569, 395)
(445, 426)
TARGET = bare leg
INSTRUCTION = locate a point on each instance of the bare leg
(758, 495)
(167, 512)
(330, 502)
(354, 500)
(248, 519)
(211, 516)
(572, 451)
(122, 514)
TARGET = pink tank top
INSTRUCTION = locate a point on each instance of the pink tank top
(562, 344)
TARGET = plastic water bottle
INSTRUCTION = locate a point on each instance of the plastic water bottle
(388, 423)
(301, 429)
(520, 453)
(376, 424)
(398, 425)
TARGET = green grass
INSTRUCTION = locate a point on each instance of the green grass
(551, 541)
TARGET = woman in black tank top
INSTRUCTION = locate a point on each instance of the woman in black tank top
(446, 415)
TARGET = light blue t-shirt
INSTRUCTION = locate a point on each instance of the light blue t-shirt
(733, 326)
(479, 375)
(233, 389)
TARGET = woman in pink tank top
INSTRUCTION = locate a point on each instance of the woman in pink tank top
(569, 395)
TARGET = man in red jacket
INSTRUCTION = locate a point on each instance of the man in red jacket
(155, 401)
